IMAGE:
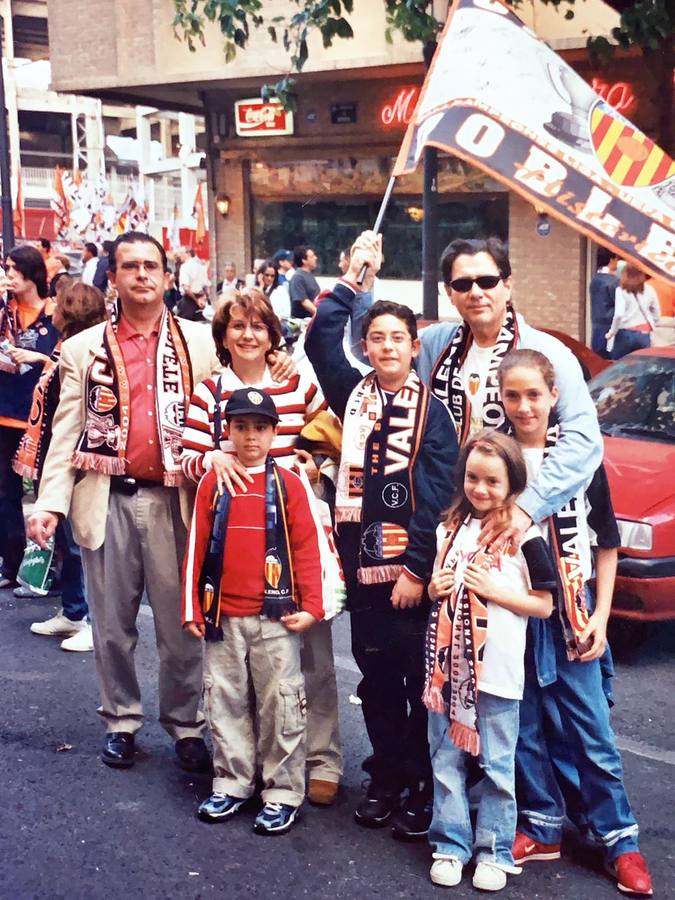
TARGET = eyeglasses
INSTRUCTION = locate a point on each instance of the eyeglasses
(396, 338)
(257, 328)
(484, 282)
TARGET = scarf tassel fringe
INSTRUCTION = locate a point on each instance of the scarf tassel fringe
(379, 574)
(347, 513)
(465, 738)
(433, 699)
(24, 470)
(92, 462)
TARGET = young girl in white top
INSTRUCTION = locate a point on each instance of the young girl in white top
(636, 313)
(474, 666)
(566, 735)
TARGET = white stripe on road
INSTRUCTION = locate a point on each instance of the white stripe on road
(626, 745)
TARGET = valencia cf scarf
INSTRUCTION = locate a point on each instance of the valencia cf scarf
(280, 596)
(563, 531)
(446, 378)
(455, 640)
(102, 445)
(30, 456)
(380, 442)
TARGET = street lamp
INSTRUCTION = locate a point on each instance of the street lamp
(223, 205)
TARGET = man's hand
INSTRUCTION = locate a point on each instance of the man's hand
(281, 366)
(596, 631)
(298, 621)
(407, 592)
(504, 526)
(41, 526)
(230, 473)
(441, 584)
(366, 249)
(196, 629)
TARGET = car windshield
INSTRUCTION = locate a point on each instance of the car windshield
(636, 396)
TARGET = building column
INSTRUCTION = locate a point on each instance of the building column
(233, 233)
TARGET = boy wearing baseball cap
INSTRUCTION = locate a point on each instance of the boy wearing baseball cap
(251, 585)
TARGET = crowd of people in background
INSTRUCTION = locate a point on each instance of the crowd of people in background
(250, 490)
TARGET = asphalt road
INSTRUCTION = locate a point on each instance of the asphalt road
(71, 827)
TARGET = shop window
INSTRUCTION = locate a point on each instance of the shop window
(329, 226)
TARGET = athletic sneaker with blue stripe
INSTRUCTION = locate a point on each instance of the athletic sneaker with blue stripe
(219, 806)
(275, 818)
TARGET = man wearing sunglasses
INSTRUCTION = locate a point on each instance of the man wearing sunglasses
(459, 363)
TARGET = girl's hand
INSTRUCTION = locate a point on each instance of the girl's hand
(196, 629)
(305, 459)
(441, 584)
(503, 526)
(597, 631)
(482, 583)
(29, 357)
(298, 621)
(230, 473)
(407, 592)
(281, 366)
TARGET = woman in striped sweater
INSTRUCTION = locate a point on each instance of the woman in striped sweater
(246, 332)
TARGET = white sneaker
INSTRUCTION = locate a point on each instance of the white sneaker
(491, 876)
(446, 871)
(80, 642)
(58, 625)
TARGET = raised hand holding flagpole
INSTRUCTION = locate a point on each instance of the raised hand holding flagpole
(378, 224)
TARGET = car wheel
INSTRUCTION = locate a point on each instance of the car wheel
(626, 636)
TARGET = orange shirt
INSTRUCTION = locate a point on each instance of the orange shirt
(144, 458)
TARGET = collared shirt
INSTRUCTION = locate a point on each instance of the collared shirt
(144, 458)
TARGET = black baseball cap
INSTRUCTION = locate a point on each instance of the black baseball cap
(251, 402)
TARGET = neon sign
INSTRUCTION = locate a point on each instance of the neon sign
(619, 94)
(400, 110)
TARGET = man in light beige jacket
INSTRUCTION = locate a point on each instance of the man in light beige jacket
(131, 527)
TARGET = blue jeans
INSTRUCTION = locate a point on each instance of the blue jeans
(627, 340)
(450, 831)
(72, 576)
(565, 731)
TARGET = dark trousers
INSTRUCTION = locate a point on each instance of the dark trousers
(12, 531)
(388, 646)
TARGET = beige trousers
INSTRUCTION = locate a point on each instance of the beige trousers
(256, 669)
(324, 753)
(143, 551)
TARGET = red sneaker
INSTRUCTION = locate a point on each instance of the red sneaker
(526, 848)
(632, 875)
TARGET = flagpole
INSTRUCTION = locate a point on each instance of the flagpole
(378, 224)
(5, 181)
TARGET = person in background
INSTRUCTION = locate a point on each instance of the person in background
(284, 262)
(28, 337)
(303, 287)
(52, 262)
(61, 275)
(194, 284)
(267, 278)
(602, 289)
(230, 279)
(102, 268)
(78, 306)
(89, 262)
(636, 313)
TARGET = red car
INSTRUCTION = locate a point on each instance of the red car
(635, 400)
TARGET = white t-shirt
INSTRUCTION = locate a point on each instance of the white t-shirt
(502, 672)
(89, 270)
(474, 375)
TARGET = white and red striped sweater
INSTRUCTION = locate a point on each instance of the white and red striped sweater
(297, 401)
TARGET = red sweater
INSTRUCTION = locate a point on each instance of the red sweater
(242, 586)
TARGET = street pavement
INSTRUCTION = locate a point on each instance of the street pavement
(72, 828)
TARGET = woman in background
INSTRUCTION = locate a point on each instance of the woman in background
(636, 312)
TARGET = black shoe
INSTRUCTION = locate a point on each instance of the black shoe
(118, 749)
(193, 755)
(377, 807)
(413, 819)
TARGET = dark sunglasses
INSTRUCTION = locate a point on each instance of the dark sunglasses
(484, 282)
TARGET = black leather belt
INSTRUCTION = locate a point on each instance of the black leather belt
(122, 484)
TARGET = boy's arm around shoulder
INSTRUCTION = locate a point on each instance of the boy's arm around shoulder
(433, 482)
(325, 349)
(196, 548)
(304, 546)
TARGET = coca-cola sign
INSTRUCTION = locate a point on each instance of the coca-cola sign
(257, 118)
